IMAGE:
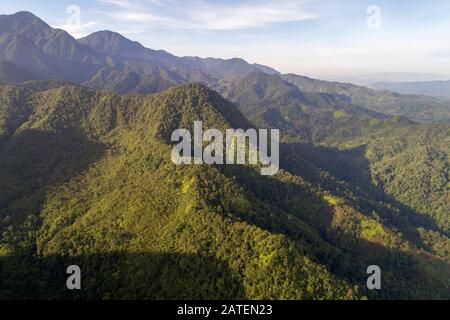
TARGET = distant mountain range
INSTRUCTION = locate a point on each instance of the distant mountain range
(105, 59)
(369, 79)
(438, 89)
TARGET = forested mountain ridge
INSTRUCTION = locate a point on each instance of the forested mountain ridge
(391, 157)
(416, 107)
(133, 199)
(267, 99)
(86, 178)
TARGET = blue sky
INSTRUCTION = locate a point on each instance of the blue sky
(332, 39)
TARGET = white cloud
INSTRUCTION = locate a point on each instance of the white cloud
(221, 17)
(125, 4)
(198, 14)
(79, 30)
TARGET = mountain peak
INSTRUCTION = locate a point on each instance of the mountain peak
(237, 60)
(23, 15)
(108, 34)
(18, 21)
(110, 42)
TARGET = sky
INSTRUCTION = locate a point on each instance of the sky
(328, 39)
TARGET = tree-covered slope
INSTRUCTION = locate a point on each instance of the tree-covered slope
(415, 107)
(407, 161)
(270, 101)
(86, 178)
(399, 160)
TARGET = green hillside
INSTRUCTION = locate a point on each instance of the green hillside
(86, 178)
(395, 160)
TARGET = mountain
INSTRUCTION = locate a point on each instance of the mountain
(438, 89)
(417, 108)
(104, 60)
(115, 45)
(112, 43)
(47, 53)
(86, 178)
(390, 153)
(266, 98)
